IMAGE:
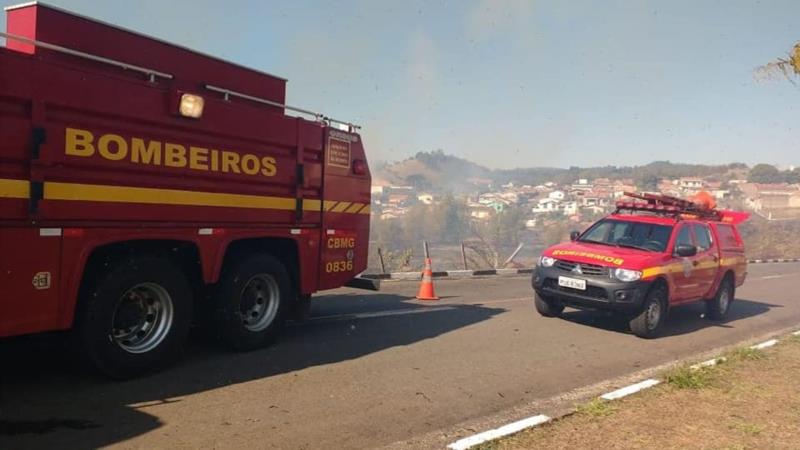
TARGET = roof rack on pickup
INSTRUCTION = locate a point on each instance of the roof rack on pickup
(668, 205)
(153, 74)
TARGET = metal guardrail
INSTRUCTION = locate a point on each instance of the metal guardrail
(151, 73)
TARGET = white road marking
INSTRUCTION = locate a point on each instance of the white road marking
(391, 312)
(772, 277)
(628, 390)
(505, 430)
(765, 344)
(709, 363)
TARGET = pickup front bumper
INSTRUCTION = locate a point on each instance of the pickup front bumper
(602, 291)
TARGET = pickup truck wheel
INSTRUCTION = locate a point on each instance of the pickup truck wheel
(253, 297)
(718, 307)
(547, 308)
(135, 317)
(648, 323)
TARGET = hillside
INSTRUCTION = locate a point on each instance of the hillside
(439, 172)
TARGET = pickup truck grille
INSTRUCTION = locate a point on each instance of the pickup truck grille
(586, 269)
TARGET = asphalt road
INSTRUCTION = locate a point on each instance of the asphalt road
(370, 369)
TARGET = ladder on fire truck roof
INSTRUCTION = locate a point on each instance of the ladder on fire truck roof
(667, 205)
(153, 74)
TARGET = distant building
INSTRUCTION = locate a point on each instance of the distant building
(720, 194)
(595, 210)
(569, 208)
(480, 212)
(546, 205)
(690, 183)
(425, 199)
(556, 195)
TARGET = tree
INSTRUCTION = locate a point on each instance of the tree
(788, 67)
(450, 220)
(764, 173)
(648, 181)
(501, 230)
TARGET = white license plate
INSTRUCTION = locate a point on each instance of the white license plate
(573, 283)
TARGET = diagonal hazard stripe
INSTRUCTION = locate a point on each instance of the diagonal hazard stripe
(356, 207)
(341, 207)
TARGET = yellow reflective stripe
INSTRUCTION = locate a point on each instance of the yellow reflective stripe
(355, 208)
(14, 188)
(676, 268)
(652, 271)
(364, 210)
(341, 207)
(732, 260)
(10, 188)
(311, 204)
(706, 265)
(126, 194)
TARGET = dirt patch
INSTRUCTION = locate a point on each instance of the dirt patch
(750, 401)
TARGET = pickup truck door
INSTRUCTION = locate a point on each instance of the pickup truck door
(707, 260)
(684, 273)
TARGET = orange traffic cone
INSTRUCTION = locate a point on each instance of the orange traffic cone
(426, 287)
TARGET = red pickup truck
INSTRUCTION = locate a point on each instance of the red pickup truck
(643, 259)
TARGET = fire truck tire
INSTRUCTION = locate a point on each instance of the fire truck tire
(253, 298)
(717, 308)
(547, 308)
(135, 318)
(649, 322)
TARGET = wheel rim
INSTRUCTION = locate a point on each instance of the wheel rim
(143, 318)
(653, 314)
(259, 302)
(724, 300)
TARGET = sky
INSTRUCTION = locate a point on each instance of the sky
(512, 83)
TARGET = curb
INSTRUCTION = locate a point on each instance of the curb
(778, 260)
(454, 274)
(457, 274)
(540, 419)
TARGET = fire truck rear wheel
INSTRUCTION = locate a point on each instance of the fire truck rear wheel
(649, 322)
(547, 307)
(253, 298)
(135, 317)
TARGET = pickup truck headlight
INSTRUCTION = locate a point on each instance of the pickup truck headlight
(627, 275)
(546, 261)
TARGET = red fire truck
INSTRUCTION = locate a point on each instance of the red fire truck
(145, 186)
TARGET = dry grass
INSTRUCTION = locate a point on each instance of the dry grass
(752, 401)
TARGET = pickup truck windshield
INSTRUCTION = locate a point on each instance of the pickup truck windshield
(620, 233)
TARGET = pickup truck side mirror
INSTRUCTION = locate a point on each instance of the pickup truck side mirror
(573, 236)
(685, 250)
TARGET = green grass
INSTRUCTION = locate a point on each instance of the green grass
(746, 354)
(684, 377)
(595, 409)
